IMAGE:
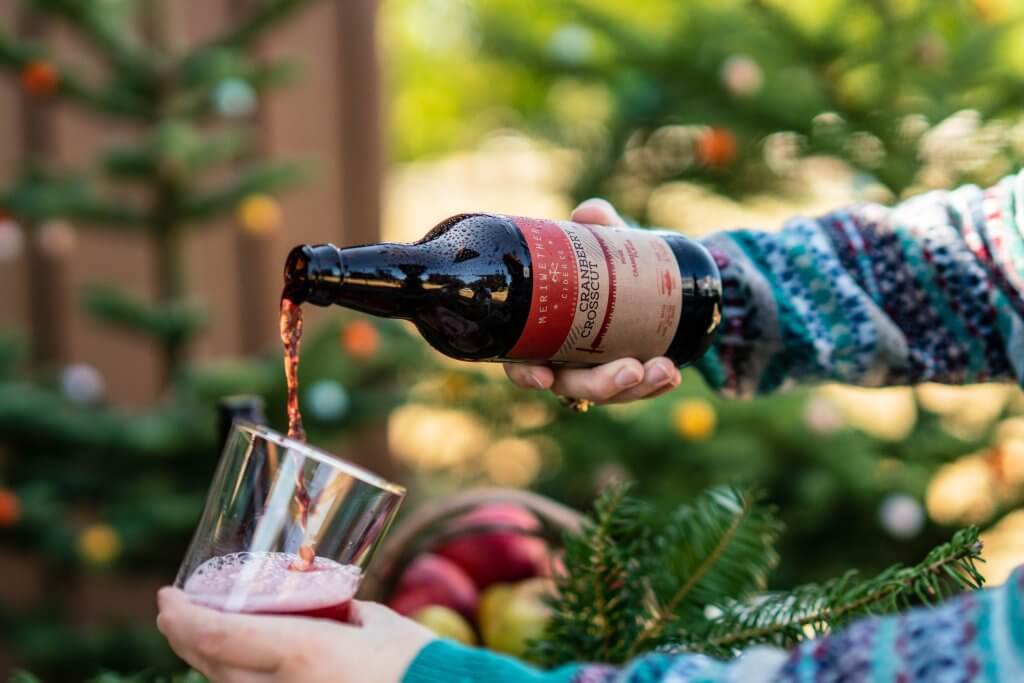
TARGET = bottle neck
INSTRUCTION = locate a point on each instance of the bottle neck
(379, 279)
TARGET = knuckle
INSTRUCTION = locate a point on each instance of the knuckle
(602, 389)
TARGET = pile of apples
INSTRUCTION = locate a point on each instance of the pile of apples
(485, 586)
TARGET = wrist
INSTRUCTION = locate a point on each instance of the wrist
(444, 660)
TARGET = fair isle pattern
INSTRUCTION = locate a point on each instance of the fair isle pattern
(930, 290)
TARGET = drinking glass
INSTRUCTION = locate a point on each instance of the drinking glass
(287, 528)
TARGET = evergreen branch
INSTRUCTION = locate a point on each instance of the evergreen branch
(106, 29)
(182, 148)
(12, 349)
(38, 197)
(16, 54)
(28, 411)
(720, 545)
(242, 34)
(631, 584)
(781, 619)
(202, 80)
(261, 178)
(168, 321)
(594, 615)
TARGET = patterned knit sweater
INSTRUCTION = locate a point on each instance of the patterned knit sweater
(930, 290)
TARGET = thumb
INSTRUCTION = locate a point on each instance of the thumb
(596, 211)
(372, 614)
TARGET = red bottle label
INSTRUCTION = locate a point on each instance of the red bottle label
(599, 293)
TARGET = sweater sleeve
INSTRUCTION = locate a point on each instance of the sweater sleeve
(977, 637)
(929, 290)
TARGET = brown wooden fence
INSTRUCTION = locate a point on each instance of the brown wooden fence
(330, 116)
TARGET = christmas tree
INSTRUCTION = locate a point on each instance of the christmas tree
(88, 490)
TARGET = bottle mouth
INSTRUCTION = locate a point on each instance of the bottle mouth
(297, 274)
(312, 273)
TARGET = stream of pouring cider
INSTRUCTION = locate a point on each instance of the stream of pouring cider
(291, 339)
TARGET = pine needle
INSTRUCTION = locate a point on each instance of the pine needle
(782, 619)
(637, 582)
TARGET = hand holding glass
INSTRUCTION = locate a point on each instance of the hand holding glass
(287, 528)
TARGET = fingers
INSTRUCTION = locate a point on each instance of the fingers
(600, 384)
(530, 376)
(660, 376)
(619, 381)
(597, 212)
(372, 614)
(207, 638)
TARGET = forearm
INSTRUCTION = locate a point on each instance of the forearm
(929, 290)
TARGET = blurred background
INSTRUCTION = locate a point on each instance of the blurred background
(158, 159)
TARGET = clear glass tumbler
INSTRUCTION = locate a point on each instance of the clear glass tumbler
(287, 528)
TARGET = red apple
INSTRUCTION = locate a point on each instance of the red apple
(433, 580)
(504, 556)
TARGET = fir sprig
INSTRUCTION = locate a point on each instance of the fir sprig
(786, 618)
(633, 583)
(694, 581)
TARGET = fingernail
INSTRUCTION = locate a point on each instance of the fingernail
(595, 201)
(658, 374)
(535, 381)
(627, 377)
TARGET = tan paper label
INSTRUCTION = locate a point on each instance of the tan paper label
(599, 293)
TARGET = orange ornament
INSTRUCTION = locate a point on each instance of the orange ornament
(39, 78)
(360, 339)
(716, 148)
(10, 508)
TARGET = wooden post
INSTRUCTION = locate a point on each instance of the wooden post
(47, 273)
(360, 153)
(255, 252)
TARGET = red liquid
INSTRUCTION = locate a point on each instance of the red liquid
(291, 338)
(268, 583)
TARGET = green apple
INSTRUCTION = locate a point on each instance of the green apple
(446, 623)
(512, 615)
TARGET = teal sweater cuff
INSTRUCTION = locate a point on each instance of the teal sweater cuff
(447, 662)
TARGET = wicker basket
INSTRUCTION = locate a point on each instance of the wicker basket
(426, 528)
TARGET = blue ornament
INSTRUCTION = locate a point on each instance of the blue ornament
(327, 400)
(572, 45)
(234, 97)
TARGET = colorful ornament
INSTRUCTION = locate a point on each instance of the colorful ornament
(99, 544)
(742, 76)
(10, 508)
(901, 516)
(40, 78)
(694, 419)
(993, 11)
(572, 45)
(12, 240)
(57, 238)
(327, 400)
(259, 214)
(234, 98)
(716, 147)
(822, 416)
(82, 383)
(360, 339)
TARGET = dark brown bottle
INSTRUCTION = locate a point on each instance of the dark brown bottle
(498, 288)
